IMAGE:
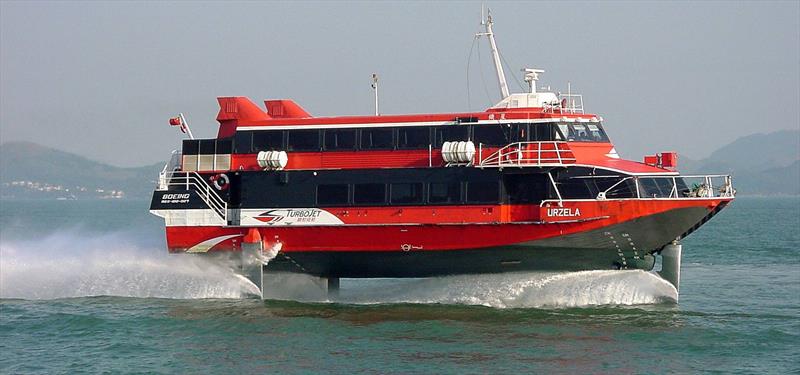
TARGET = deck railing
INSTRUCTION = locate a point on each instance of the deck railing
(660, 187)
(195, 182)
(702, 186)
(530, 154)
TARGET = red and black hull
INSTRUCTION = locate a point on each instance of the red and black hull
(620, 234)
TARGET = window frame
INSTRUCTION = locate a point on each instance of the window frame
(326, 132)
(347, 196)
(383, 202)
(392, 142)
(288, 139)
(420, 201)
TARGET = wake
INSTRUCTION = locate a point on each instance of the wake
(69, 264)
(529, 290)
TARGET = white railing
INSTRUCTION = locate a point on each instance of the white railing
(172, 165)
(530, 154)
(193, 181)
(702, 186)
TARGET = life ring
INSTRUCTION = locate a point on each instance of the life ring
(220, 181)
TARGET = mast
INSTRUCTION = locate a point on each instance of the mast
(375, 89)
(501, 76)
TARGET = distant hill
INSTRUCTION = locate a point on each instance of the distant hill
(28, 170)
(761, 164)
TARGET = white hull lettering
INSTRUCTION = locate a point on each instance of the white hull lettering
(564, 212)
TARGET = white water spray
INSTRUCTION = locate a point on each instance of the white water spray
(521, 290)
(68, 264)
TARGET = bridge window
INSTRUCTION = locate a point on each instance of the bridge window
(596, 133)
(303, 140)
(369, 193)
(267, 140)
(413, 137)
(406, 193)
(340, 139)
(490, 135)
(583, 132)
(377, 139)
(332, 195)
(482, 192)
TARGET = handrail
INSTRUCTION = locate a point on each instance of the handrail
(529, 154)
(171, 165)
(702, 190)
(193, 181)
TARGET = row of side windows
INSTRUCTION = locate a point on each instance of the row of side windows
(385, 138)
(378, 194)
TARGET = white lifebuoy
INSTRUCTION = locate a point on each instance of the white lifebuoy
(225, 181)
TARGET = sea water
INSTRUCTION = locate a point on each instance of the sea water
(86, 286)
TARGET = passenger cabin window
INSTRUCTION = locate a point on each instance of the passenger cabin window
(655, 187)
(224, 146)
(451, 133)
(366, 194)
(444, 192)
(490, 135)
(267, 140)
(543, 132)
(377, 139)
(625, 189)
(482, 192)
(526, 188)
(413, 137)
(406, 193)
(303, 140)
(243, 142)
(190, 147)
(208, 146)
(519, 132)
(340, 139)
(332, 195)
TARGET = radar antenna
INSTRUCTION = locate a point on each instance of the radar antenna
(531, 76)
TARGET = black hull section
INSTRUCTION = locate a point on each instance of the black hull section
(628, 245)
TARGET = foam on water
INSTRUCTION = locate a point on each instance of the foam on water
(529, 289)
(68, 264)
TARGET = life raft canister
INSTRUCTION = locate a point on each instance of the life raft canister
(220, 181)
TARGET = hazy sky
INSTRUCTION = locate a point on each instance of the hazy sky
(102, 79)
